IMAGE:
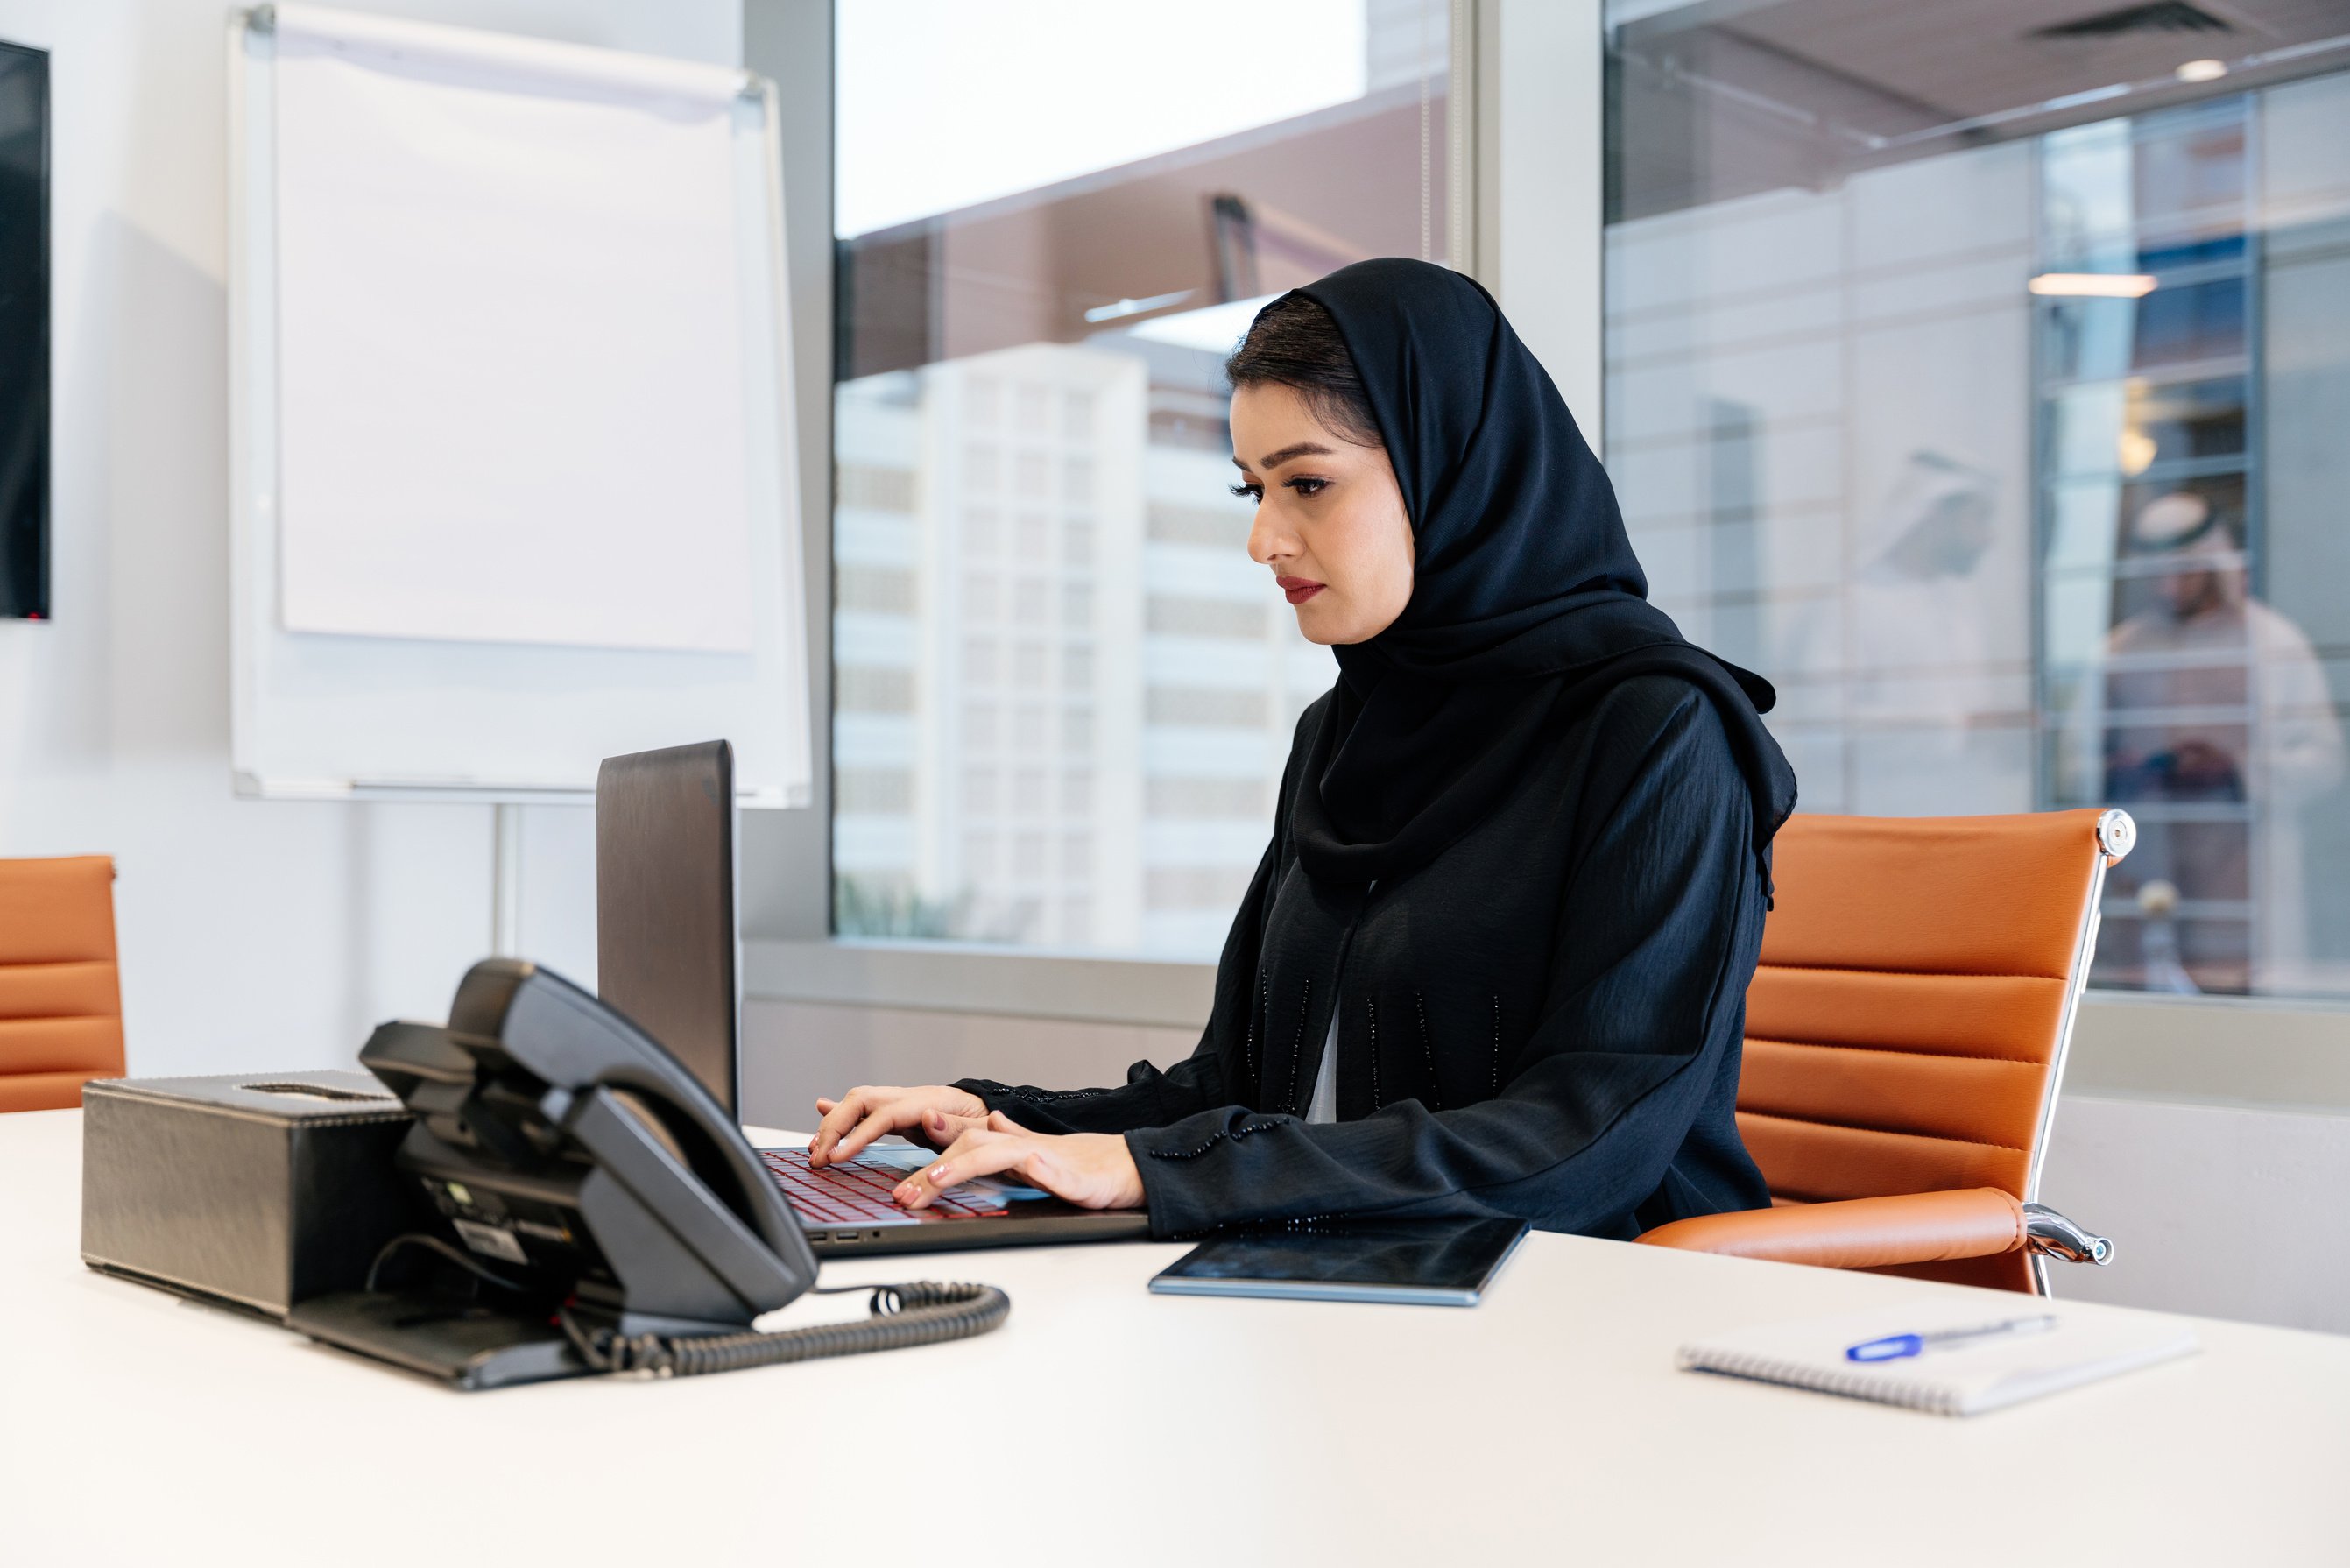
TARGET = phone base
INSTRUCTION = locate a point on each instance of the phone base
(459, 1343)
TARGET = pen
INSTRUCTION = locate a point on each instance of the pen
(1893, 1346)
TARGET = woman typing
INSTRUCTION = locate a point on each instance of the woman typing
(1494, 962)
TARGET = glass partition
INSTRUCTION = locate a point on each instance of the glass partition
(1981, 380)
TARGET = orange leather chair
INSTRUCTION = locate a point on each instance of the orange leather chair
(1905, 1037)
(60, 993)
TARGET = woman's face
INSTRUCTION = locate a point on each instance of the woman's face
(1330, 519)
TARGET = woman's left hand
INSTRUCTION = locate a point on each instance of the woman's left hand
(1092, 1171)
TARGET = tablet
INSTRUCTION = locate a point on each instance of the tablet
(1417, 1262)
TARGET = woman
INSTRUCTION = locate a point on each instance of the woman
(1494, 960)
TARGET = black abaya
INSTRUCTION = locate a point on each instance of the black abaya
(1544, 1022)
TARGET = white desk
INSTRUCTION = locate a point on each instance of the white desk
(1108, 1426)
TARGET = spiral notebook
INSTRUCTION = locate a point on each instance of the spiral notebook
(1970, 1361)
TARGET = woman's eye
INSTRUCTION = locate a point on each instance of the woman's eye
(1305, 487)
(1253, 492)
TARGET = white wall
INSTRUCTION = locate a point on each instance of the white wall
(2224, 1211)
(253, 934)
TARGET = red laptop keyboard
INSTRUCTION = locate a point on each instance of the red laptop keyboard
(857, 1192)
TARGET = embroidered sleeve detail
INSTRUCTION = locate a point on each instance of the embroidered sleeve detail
(1335, 1224)
(1193, 1153)
(1331, 1224)
(1221, 1134)
(1049, 1097)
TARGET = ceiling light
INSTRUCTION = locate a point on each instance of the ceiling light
(1217, 328)
(1137, 306)
(2093, 284)
(2202, 71)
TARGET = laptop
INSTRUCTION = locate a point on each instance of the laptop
(666, 955)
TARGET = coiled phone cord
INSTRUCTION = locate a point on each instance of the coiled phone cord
(924, 1312)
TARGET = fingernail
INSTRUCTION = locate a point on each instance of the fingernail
(938, 1175)
(936, 1119)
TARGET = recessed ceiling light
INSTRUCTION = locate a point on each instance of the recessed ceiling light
(2202, 71)
(1100, 313)
(2096, 285)
(1215, 328)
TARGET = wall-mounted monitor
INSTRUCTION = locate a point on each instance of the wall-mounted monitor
(23, 333)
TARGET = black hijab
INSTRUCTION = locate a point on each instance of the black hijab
(1527, 603)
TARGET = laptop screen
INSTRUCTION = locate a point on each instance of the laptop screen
(665, 935)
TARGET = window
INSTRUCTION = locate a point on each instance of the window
(1063, 693)
(1981, 381)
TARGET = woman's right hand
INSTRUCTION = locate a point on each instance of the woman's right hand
(934, 1114)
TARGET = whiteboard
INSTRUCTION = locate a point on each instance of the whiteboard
(511, 467)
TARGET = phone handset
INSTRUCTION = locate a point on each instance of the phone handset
(617, 1216)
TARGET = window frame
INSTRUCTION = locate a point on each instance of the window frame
(1524, 213)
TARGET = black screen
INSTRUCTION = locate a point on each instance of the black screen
(24, 332)
(1370, 1258)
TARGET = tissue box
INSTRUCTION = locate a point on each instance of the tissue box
(253, 1188)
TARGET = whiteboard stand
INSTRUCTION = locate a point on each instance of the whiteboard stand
(422, 716)
(506, 880)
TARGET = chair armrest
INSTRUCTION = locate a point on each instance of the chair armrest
(2049, 1233)
(1860, 1232)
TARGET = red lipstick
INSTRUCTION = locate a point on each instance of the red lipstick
(1297, 590)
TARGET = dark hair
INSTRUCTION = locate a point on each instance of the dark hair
(1295, 343)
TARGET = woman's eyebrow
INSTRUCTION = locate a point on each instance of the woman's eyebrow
(1298, 448)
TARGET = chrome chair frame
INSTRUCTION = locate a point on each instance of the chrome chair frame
(2048, 1233)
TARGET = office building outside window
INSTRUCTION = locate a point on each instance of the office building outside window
(1063, 694)
(1979, 374)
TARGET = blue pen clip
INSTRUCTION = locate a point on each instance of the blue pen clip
(1892, 1347)
(1895, 1347)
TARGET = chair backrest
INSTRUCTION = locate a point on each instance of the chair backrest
(60, 993)
(1907, 1027)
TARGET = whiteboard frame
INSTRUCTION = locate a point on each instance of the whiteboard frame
(252, 465)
